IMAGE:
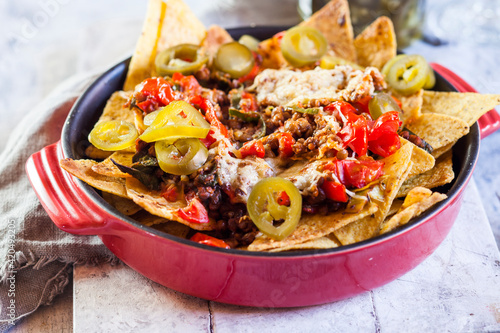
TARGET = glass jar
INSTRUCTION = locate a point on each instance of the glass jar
(407, 15)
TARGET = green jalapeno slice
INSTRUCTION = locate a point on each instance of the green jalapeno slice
(183, 58)
(183, 157)
(266, 209)
(235, 59)
(382, 103)
(303, 46)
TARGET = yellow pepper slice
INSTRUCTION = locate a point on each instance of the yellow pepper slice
(303, 46)
(178, 120)
(264, 208)
(183, 157)
(113, 135)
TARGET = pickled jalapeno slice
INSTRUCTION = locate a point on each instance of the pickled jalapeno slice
(408, 74)
(183, 157)
(267, 210)
(113, 135)
(303, 46)
(382, 103)
(235, 59)
(183, 58)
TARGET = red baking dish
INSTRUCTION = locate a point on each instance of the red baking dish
(234, 276)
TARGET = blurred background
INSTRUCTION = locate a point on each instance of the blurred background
(44, 42)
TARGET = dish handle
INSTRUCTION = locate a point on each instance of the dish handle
(65, 202)
(490, 121)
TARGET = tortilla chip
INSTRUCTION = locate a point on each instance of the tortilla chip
(161, 224)
(167, 24)
(95, 153)
(148, 219)
(270, 51)
(173, 228)
(334, 22)
(108, 168)
(467, 106)
(418, 200)
(318, 243)
(180, 26)
(123, 205)
(396, 167)
(396, 205)
(411, 106)
(441, 174)
(82, 169)
(216, 36)
(438, 129)
(312, 227)
(115, 110)
(145, 51)
(376, 44)
(422, 160)
(156, 204)
(443, 150)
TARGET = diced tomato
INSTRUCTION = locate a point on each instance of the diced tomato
(157, 92)
(354, 134)
(383, 138)
(248, 102)
(253, 73)
(398, 102)
(253, 148)
(170, 193)
(210, 114)
(335, 191)
(361, 105)
(195, 212)
(283, 199)
(209, 140)
(355, 173)
(385, 145)
(188, 84)
(340, 106)
(209, 240)
(286, 142)
(358, 173)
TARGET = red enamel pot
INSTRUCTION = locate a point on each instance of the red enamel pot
(234, 276)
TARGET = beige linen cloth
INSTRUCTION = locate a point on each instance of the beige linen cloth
(36, 258)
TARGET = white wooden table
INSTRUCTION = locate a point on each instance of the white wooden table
(456, 289)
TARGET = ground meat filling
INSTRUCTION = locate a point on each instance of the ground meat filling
(224, 182)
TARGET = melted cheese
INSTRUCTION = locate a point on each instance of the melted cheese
(288, 87)
(241, 175)
(305, 175)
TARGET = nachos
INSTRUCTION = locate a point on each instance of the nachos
(310, 139)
